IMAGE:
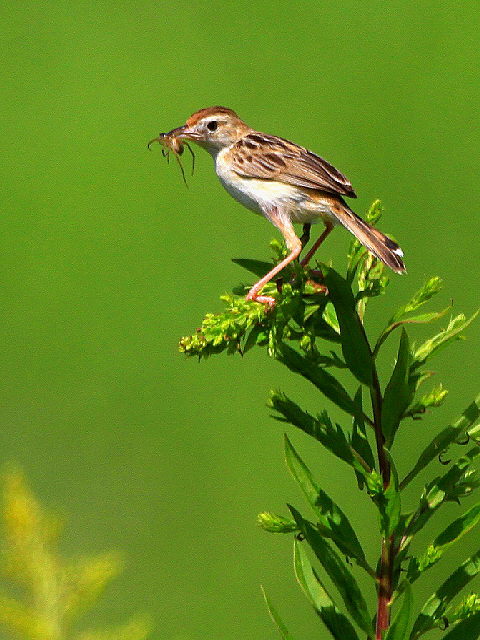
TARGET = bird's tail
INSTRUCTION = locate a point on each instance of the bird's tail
(382, 247)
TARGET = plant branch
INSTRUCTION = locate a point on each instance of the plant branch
(385, 571)
(290, 332)
(385, 587)
(376, 399)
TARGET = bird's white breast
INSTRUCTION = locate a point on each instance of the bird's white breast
(261, 195)
(253, 194)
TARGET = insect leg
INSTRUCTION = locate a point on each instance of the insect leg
(192, 154)
(181, 168)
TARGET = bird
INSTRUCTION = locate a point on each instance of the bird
(284, 182)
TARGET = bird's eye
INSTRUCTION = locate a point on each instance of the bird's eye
(212, 125)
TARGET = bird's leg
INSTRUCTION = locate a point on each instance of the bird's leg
(294, 245)
(305, 237)
(325, 233)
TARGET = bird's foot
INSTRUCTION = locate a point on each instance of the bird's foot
(266, 300)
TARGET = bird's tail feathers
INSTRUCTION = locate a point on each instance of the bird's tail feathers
(382, 247)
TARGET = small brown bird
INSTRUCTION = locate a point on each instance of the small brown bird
(285, 183)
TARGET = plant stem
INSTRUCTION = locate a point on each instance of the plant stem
(376, 399)
(384, 587)
(385, 572)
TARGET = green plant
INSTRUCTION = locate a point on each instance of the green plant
(315, 333)
(50, 593)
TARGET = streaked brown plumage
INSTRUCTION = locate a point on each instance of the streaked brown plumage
(284, 182)
(274, 158)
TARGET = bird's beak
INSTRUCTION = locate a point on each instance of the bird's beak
(183, 132)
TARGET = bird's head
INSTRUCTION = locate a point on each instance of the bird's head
(213, 128)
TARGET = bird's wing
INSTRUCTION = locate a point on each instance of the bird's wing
(258, 155)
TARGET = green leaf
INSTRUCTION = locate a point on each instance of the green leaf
(322, 429)
(458, 528)
(292, 413)
(424, 318)
(399, 627)
(323, 322)
(451, 534)
(429, 289)
(355, 255)
(474, 434)
(323, 380)
(274, 523)
(468, 629)
(278, 248)
(226, 330)
(338, 572)
(372, 287)
(435, 606)
(456, 483)
(433, 398)
(371, 281)
(336, 622)
(330, 361)
(398, 393)
(393, 505)
(330, 317)
(257, 267)
(360, 441)
(375, 212)
(275, 617)
(256, 336)
(452, 332)
(332, 522)
(444, 439)
(467, 607)
(388, 502)
(355, 347)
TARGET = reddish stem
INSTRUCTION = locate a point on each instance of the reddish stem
(384, 588)
(385, 572)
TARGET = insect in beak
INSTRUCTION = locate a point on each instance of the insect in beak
(171, 142)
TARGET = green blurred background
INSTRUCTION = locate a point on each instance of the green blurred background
(107, 260)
